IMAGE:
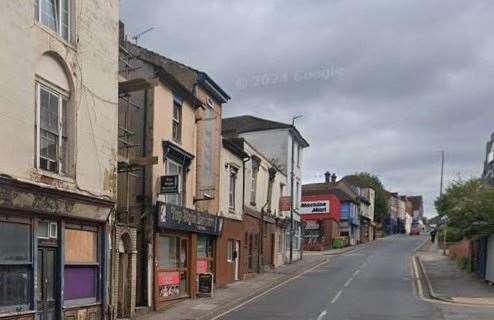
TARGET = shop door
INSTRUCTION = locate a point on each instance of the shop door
(46, 293)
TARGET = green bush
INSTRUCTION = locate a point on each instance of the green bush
(453, 235)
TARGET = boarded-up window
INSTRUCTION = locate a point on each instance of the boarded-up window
(80, 246)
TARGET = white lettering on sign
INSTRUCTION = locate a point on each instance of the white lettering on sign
(314, 207)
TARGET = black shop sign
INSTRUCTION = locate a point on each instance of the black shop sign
(180, 218)
(169, 184)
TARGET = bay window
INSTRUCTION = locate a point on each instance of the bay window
(15, 266)
(54, 14)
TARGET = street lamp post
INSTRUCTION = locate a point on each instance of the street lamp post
(292, 176)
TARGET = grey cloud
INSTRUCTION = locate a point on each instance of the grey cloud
(413, 77)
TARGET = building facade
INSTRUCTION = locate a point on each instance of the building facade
(283, 144)
(58, 166)
(488, 171)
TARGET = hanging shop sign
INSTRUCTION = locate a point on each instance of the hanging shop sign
(180, 218)
(314, 207)
(169, 284)
(205, 284)
(169, 184)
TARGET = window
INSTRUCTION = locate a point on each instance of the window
(15, 266)
(81, 266)
(174, 168)
(172, 267)
(47, 230)
(232, 185)
(253, 186)
(52, 130)
(230, 256)
(177, 121)
(54, 14)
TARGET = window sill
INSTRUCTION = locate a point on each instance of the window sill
(55, 35)
(55, 176)
(15, 313)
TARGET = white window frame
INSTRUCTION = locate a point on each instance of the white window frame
(58, 17)
(177, 121)
(61, 94)
(232, 181)
(180, 193)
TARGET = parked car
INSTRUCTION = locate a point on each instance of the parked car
(415, 231)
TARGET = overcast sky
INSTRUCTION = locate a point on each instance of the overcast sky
(382, 85)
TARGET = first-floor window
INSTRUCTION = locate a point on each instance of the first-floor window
(174, 168)
(15, 266)
(232, 188)
(52, 130)
(54, 14)
(81, 265)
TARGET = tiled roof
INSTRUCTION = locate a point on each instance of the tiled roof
(237, 125)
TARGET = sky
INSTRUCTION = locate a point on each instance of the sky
(383, 86)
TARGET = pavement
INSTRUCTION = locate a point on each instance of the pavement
(446, 282)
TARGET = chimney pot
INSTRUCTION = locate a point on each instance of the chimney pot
(327, 175)
(333, 177)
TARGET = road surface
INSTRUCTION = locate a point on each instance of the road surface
(374, 283)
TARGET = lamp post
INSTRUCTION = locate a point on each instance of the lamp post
(292, 178)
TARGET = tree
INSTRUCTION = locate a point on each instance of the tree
(381, 205)
(469, 205)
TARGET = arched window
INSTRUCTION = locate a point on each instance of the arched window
(53, 127)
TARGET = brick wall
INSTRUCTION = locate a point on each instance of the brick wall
(461, 249)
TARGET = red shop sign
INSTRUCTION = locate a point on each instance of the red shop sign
(168, 278)
(202, 266)
(285, 203)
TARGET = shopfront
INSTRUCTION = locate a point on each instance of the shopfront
(185, 242)
(51, 258)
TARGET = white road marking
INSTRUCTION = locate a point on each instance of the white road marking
(322, 315)
(347, 283)
(269, 290)
(336, 297)
(356, 272)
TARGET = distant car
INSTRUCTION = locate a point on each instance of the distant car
(415, 231)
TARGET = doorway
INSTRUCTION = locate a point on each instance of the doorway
(46, 289)
(124, 277)
(236, 256)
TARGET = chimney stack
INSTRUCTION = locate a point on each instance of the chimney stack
(333, 177)
(327, 175)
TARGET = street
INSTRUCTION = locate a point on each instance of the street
(374, 283)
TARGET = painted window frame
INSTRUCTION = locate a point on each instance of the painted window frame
(232, 188)
(230, 248)
(58, 17)
(181, 178)
(97, 265)
(62, 134)
(27, 265)
(177, 120)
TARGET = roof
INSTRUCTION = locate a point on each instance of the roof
(340, 189)
(187, 76)
(417, 202)
(235, 147)
(246, 123)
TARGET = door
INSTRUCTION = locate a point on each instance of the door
(123, 290)
(45, 289)
(236, 256)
